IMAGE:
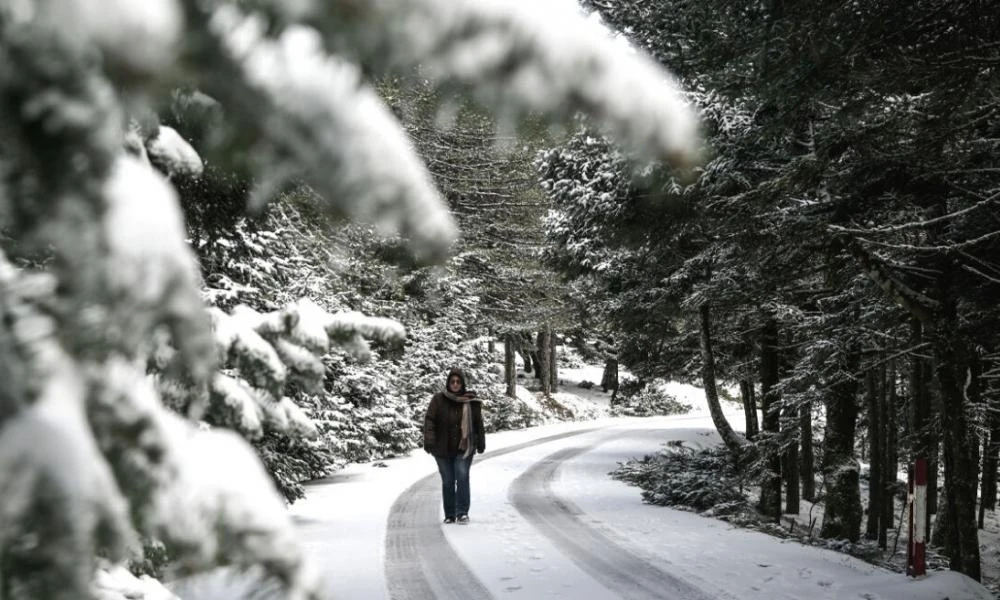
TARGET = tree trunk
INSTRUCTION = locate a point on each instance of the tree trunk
(890, 439)
(875, 486)
(961, 464)
(729, 437)
(791, 469)
(842, 519)
(807, 459)
(749, 408)
(609, 380)
(553, 364)
(770, 489)
(544, 339)
(991, 457)
(536, 365)
(974, 394)
(934, 435)
(925, 435)
(943, 535)
(509, 365)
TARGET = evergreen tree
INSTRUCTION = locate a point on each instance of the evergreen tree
(857, 160)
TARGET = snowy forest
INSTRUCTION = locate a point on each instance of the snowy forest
(241, 243)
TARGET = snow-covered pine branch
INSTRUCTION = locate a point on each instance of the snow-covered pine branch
(173, 154)
(263, 352)
(519, 57)
(322, 124)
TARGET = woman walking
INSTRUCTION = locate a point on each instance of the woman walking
(453, 433)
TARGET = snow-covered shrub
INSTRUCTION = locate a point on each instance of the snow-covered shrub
(645, 400)
(505, 413)
(702, 481)
(290, 461)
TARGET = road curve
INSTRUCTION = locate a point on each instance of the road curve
(625, 573)
(420, 564)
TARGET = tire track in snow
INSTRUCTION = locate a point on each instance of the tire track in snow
(615, 567)
(420, 564)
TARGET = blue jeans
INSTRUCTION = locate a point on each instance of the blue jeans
(455, 494)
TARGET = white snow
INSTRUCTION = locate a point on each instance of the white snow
(226, 489)
(545, 57)
(174, 153)
(117, 583)
(343, 138)
(145, 231)
(343, 523)
(142, 36)
(240, 397)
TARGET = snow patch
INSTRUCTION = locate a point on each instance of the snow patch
(173, 153)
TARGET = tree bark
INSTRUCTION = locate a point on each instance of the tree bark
(509, 365)
(991, 457)
(791, 468)
(890, 438)
(943, 535)
(934, 450)
(749, 408)
(976, 375)
(609, 379)
(875, 456)
(553, 364)
(807, 458)
(961, 466)
(729, 437)
(842, 519)
(921, 410)
(536, 365)
(770, 492)
(543, 360)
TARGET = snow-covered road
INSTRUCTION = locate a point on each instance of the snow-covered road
(547, 522)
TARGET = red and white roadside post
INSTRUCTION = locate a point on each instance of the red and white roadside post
(916, 563)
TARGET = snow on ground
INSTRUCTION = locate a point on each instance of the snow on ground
(743, 563)
(343, 521)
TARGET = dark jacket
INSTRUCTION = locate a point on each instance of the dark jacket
(443, 426)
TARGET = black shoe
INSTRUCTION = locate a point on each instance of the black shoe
(463, 519)
(450, 520)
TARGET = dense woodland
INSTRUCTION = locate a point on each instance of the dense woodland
(837, 257)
